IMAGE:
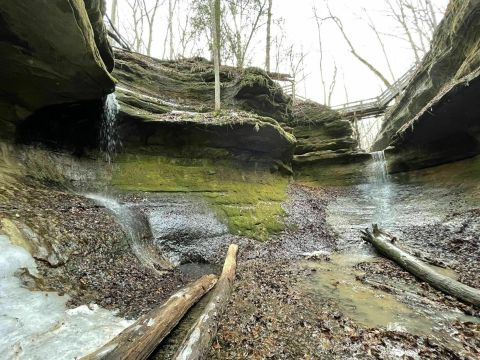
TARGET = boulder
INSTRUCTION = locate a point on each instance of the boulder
(436, 120)
(53, 52)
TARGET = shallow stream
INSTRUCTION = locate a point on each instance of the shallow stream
(422, 198)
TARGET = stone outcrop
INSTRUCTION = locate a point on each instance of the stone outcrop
(437, 119)
(165, 108)
(324, 141)
(161, 86)
(53, 52)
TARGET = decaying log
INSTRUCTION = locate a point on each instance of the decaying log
(383, 242)
(200, 337)
(140, 339)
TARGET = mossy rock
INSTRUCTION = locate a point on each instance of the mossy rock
(453, 60)
(247, 196)
(189, 84)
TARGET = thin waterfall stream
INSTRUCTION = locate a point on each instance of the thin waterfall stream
(379, 168)
(138, 232)
(109, 137)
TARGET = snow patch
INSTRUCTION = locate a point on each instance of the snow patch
(38, 325)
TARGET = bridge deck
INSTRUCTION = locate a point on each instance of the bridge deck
(377, 105)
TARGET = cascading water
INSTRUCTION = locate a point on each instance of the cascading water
(109, 139)
(138, 231)
(379, 167)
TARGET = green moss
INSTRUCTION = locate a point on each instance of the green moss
(248, 199)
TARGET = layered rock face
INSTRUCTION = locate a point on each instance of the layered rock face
(53, 52)
(326, 143)
(437, 119)
(166, 109)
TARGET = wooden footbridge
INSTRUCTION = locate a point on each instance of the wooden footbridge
(376, 106)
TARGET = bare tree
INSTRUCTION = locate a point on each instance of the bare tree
(216, 25)
(172, 4)
(136, 24)
(354, 52)
(333, 83)
(114, 12)
(241, 24)
(418, 20)
(149, 15)
(319, 21)
(185, 31)
(372, 26)
(296, 66)
(400, 16)
(432, 14)
(277, 42)
(269, 36)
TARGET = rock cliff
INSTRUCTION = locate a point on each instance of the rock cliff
(436, 120)
(165, 108)
(326, 144)
(53, 52)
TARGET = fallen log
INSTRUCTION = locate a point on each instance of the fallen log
(141, 338)
(383, 242)
(199, 339)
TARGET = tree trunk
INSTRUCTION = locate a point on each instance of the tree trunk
(113, 14)
(320, 49)
(199, 339)
(384, 244)
(171, 9)
(140, 339)
(269, 36)
(433, 16)
(382, 45)
(216, 51)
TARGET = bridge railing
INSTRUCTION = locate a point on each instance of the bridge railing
(381, 102)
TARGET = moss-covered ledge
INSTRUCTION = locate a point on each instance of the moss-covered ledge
(247, 197)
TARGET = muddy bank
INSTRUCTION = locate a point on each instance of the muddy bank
(362, 306)
(283, 305)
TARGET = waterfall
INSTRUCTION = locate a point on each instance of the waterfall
(379, 167)
(138, 231)
(109, 139)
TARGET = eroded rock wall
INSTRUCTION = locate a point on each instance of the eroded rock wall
(326, 144)
(166, 108)
(53, 52)
(437, 118)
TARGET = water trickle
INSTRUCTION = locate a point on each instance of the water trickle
(109, 139)
(138, 231)
(379, 167)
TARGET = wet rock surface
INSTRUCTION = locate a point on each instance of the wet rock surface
(99, 265)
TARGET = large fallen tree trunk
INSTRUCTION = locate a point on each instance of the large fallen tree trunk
(199, 339)
(140, 339)
(383, 242)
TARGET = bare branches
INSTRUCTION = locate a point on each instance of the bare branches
(149, 14)
(372, 26)
(241, 23)
(354, 52)
(319, 21)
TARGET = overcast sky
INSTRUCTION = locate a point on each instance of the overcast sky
(301, 31)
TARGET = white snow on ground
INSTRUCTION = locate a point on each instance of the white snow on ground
(38, 325)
